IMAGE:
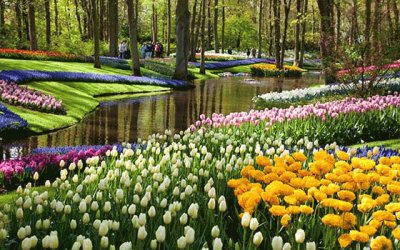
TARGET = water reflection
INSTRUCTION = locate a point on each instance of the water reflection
(128, 120)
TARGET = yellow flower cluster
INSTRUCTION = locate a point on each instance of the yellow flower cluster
(270, 67)
(356, 195)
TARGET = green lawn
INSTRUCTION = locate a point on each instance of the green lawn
(78, 97)
(392, 143)
(10, 197)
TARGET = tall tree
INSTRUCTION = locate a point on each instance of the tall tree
(271, 28)
(223, 28)
(133, 36)
(182, 39)
(78, 18)
(2, 18)
(338, 23)
(375, 29)
(96, 33)
(396, 19)
(113, 27)
(169, 27)
(154, 28)
(277, 27)
(101, 19)
(303, 33)
(367, 31)
(286, 5)
(58, 31)
(209, 26)
(202, 37)
(48, 23)
(18, 16)
(32, 25)
(216, 12)
(193, 41)
(297, 33)
(260, 19)
(354, 23)
(327, 40)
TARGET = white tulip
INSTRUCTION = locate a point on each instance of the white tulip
(287, 246)
(193, 210)
(76, 246)
(20, 213)
(73, 224)
(107, 207)
(142, 219)
(21, 233)
(211, 204)
(277, 243)
(46, 224)
(167, 217)
(152, 212)
(217, 244)
(160, 234)
(82, 206)
(189, 235)
(311, 246)
(222, 206)
(183, 219)
(181, 242)
(125, 246)
(258, 238)
(246, 219)
(104, 242)
(253, 224)
(87, 244)
(103, 228)
(300, 236)
(215, 232)
(142, 234)
(85, 218)
(120, 194)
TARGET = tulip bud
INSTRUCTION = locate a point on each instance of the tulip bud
(277, 243)
(246, 219)
(253, 224)
(258, 238)
(142, 234)
(73, 224)
(104, 242)
(189, 235)
(167, 217)
(215, 232)
(181, 242)
(160, 234)
(87, 244)
(217, 244)
(300, 236)
(311, 246)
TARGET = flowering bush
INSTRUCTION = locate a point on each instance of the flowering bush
(389, 67)
(346, 121)
(233, 63)
(302, 96)
(41, 55)
(335, 201)
(13, 94)
(265, 69)
(10, 121)
(20, 76)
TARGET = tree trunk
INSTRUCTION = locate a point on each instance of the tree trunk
(154, 23)
(197, 34)
(327, 40)
(32, 25)
(287, 4)
(18, 16)
(193, 42)
(260, 15)
(101, 19)
(182, 39)
(96, 34)
(367, 32)
(169, 27)
(271, 28)
(113, 27)
(85, 20)
(2, 18)
(48, 23)
(354, 23)
(209, 30)
(303, 33)
(338, 24)
(396, 19)
(133, 37)
(202, 37)
(56, 18)
(297, 33)
(277, 27)
(25, 18)
(223, 28)
(78, 18)
(390, 23)
(375, 30)
(216, 42)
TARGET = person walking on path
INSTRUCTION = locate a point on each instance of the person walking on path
(122, 49)
(248, 53)
(253, 52)
(143, 50)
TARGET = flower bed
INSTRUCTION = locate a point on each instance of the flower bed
(233, 63)
(389, 67)
(10, 121)
(13, 94)
(302, 96)
(45, 161)
(21, 76)
(346, 121)
(42, 55)
(334, 201)
(115, 62)
(267, 70)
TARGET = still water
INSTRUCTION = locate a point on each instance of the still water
(127, 120)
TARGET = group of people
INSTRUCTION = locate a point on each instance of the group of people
(151, 50)
(253, 52)
(147, 50)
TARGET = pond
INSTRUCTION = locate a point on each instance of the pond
(127, 120)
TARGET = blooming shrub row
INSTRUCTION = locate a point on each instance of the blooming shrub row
(41, 55)
(233, 63)
(13, 94)
(339, 201)
(389, 67)
(10, 121)
(21, 76)
(267, 70)
(346, 121)
(302, 96)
